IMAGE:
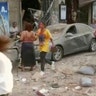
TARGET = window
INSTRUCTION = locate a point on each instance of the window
(72, 30)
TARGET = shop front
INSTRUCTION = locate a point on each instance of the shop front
(54, 11)
(94, 13)
(85, 11)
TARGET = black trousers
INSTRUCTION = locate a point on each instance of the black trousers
(43, 60)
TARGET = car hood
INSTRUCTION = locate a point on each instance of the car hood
(56, 36)
(57, 30)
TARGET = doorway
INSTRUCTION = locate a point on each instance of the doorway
(27, 14)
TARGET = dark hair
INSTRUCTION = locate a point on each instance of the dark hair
(28, 26)
(4, 42)
(43, 23)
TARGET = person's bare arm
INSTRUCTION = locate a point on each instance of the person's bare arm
(52, 41)
(21, 36)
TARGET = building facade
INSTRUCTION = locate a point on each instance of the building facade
(14, 11)
(85, 11)
(76, 11)
(94, 12)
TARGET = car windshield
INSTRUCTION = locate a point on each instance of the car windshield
(57, 29)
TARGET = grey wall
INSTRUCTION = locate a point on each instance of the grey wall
(15, 11)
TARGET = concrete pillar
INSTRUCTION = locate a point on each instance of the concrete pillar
(14, 11)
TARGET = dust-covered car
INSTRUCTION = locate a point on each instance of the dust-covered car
(70, 38)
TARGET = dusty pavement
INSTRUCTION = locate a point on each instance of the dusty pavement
(64, 81)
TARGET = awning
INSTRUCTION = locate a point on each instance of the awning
(84, 2)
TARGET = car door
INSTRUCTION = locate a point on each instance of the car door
(87, 33)
(73, 41)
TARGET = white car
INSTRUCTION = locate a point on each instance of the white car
(70, 38)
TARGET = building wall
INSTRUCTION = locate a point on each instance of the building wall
(94, 12)
(55, 11)
(14, 11)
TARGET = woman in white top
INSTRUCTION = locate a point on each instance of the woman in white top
(6, 77)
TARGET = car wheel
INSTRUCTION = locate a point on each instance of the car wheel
(93, 45)
(58, 54)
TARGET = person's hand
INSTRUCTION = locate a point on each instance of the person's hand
(53, 48)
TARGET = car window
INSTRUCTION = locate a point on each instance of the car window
(72, 30)
(83, 28)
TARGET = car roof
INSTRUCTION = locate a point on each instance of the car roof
(64, 25)
(61, 25)
(57, 26)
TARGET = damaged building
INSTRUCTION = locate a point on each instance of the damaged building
(74, 10)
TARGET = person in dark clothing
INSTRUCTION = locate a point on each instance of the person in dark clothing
(27, 49)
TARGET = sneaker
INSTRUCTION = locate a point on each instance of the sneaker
(42, 73)
(53, 65)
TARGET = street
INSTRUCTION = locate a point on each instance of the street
(64, 81)
(72, 24)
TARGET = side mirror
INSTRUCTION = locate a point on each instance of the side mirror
(68, 35)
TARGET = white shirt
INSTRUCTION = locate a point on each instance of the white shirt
(6, 77)
(12, 29)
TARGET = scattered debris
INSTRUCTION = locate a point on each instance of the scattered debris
(87, 70)
(86, 82)
(24, 80)
(64, 81)
(44, 91)
(35, 88)
(55, 85)
(36, 76)
(78, 88)
(39, 93)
